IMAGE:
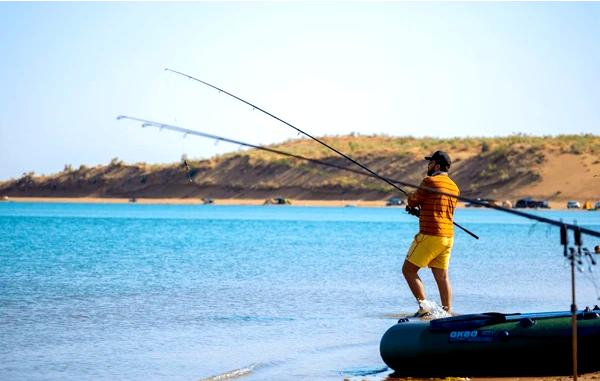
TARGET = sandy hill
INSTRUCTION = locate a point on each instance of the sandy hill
(556, 168)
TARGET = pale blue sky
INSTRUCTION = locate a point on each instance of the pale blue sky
(436, 69)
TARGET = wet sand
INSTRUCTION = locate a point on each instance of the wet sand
(388, 376)
(585, 377)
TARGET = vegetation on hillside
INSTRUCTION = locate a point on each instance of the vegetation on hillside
(482, 167)
(382, 145)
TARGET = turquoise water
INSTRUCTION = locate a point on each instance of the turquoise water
(149, 292)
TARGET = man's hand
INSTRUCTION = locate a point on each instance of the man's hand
(411, 199)
(413, 211)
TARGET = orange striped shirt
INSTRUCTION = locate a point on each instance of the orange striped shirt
(437, 211)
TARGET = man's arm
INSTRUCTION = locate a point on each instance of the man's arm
(416, 198)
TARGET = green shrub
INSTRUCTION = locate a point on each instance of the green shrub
(485, 147)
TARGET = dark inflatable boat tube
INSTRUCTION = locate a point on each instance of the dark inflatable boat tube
(492, 344)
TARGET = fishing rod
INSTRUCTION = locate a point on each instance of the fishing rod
(294, 127)
(185, 131)
(572, 227)
(477, 202)
(315, 139)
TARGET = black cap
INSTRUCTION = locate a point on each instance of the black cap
(440, 157)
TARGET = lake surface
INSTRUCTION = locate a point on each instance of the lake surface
(151, 292)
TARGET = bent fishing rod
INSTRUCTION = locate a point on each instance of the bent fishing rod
(560, 224)
(185, 131)
(292, 126)
(309, 136)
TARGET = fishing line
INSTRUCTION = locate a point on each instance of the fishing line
(590, 276)
(582, 258)
(586, 258)
(183, 148)
(184, 157)
(532, 228)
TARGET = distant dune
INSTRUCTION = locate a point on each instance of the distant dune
(503, 168)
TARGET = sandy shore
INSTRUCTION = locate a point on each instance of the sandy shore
(556, 205)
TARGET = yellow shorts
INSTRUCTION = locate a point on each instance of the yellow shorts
(430, 251)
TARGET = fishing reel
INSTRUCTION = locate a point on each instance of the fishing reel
(414, 211)
(188, 170)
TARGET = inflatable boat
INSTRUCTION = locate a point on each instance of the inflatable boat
(493, 344)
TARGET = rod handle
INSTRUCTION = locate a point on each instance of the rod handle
(564, 238)
(577, 235)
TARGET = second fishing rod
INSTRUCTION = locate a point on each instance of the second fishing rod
(309, 136)
(531, 216)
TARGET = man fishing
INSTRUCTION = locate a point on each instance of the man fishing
(431, 247)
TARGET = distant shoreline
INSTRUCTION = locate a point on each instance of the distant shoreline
(192, 201)
(554, 205)
(511, 168)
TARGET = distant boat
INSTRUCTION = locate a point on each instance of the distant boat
(394, 201)
(277, 201)
(528, 202)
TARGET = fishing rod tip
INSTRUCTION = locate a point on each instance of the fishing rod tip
(120, 117)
